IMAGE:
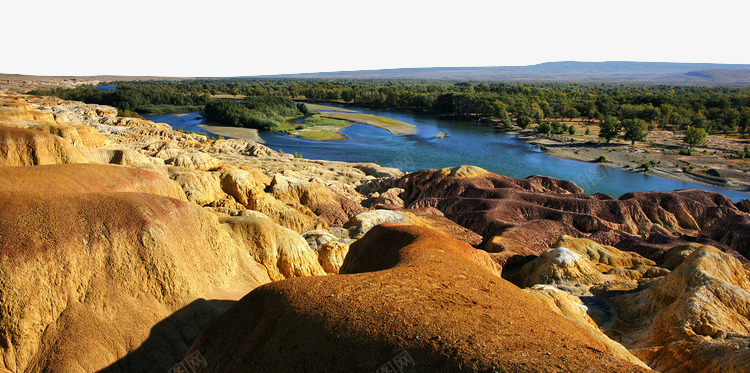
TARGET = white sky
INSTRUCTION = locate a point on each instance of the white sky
(233, 38)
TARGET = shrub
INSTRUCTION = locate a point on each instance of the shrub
(544, 128)
(687, 151)
(695, 136)
(648, 165)
(128, 113)
(602, 159)
(523, 121)
(558, 128)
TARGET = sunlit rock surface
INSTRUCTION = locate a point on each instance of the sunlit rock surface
(408, 291)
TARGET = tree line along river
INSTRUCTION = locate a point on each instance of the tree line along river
(467, 144)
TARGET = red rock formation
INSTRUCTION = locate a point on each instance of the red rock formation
(525, 216)
(410, 294)
(655, 245)
(733, 231)
(744, 205)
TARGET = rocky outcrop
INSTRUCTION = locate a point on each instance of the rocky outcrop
(363, 222)
(294, 216)
(238, 189)
(575, 264)
(281, 251)
(15, 111)
(390, 199)
(574, 309)
(244, 185)
(691, 313)
(655, 245)
(332, 208)
(203, 188)
(412, 295)
(697, 318)
(97, 261)
(24, 147)
(121, 156)
(331, 244)
(79, 136)
(195, 160)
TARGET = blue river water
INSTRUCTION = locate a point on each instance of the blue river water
(468, 143)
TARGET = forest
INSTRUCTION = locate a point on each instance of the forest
(263, 112)
(715, 109)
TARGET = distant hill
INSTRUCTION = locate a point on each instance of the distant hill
(570, 71)
(80, 78)
(566, 71)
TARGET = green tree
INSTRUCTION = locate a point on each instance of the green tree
(501, 112)
(544, 128)
(609, 128)
(695, 136)
(523, 121)
(537, 113)
(635, 130)
(571, 113)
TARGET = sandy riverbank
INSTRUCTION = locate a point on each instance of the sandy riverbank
(326, 107)
(333, 122)
(393, 126)
(241, 133)
(666, 161)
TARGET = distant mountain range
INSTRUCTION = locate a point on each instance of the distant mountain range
(569, 71)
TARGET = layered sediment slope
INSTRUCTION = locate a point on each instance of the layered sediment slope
(409, 294)
(87, 272)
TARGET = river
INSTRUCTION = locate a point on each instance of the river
(468, 143)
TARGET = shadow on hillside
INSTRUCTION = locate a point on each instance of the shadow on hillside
(171, 338)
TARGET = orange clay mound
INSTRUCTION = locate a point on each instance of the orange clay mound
(411, 298)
